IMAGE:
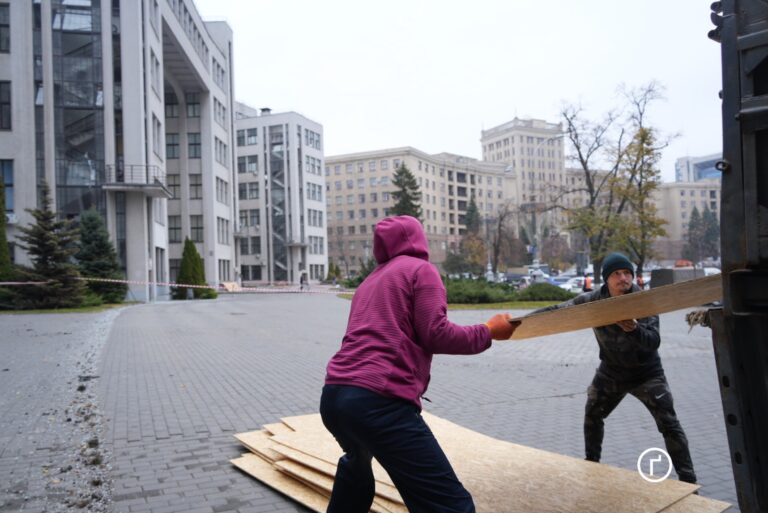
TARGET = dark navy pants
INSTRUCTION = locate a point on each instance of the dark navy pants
(369, 425)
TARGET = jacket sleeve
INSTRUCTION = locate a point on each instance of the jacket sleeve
(434, 332)
(646, 336)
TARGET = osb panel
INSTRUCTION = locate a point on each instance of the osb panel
(697, 504)
(325, 484)
(277, 428)
(264, 472)
(310, 422)
(505, 477)
(258, 442)
(629, 306)
(385, 490)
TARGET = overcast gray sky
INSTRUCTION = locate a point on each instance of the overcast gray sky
(432, 74)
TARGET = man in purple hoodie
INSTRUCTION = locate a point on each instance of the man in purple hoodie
(371, 401)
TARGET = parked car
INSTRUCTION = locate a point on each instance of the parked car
(574, 284)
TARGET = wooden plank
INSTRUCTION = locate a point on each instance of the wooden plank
(697, 504)
(629, 306)
(325, 484)
(266, 473)
(277, 428)
(508, 478)
(259, 443)
(383, 489)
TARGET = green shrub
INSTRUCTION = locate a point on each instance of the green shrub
(477, 292)
(544, 292)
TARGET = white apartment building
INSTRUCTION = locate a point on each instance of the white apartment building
(359, 193)
(675, 202)
(281, 231)
(121, 106)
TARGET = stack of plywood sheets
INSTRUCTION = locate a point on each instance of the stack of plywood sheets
(298, 458)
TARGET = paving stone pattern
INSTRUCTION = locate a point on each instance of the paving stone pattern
(178, 379)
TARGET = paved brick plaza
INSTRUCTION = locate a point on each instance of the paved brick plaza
(178, 379)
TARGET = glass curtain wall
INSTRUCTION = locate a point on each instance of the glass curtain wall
(78, 105)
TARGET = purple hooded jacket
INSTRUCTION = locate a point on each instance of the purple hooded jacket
(398, 319)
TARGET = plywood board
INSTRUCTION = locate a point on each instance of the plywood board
(385, 490)
(277, 428)
(266, 473)
(697, 504)
(325, 484)
(505, 477)
(629, 306)
(259, 443)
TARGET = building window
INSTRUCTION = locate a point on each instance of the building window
(196, 228)
(252, 163)
(195, 186)
(193, 142)
(5, 28)
(174, 185)
(157, 129)
(253, 190)
(251, 136)
(172, 146)
(174, 228)
(5, 105)
(222, 231)
(171, 105)
(193, 105)
(222, 191)
(6, 168)
(241, 137)
(174, 265)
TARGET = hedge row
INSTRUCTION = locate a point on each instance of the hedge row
(480, 292)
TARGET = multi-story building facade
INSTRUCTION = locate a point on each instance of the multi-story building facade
(359, 193)
(282, 217)
(533, 151)
(675, 202)
(120, 106)
(693, 169)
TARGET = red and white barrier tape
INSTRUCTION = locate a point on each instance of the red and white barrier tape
(220, 288)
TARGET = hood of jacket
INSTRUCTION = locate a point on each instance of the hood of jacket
(399, 235)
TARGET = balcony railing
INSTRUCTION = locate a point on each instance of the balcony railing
(148, 179)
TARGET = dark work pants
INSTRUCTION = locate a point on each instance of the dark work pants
(604, 394)
(369, 425)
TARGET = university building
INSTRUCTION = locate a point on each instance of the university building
(125, 107)
(281, 229)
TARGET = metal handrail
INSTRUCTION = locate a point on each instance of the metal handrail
(135, 174)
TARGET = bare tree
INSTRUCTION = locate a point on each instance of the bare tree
(616, 157)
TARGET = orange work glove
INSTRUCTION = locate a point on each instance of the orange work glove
(501, 326)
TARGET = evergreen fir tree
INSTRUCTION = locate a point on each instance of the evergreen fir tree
(50, 243)
(472, 218)
(694, 238)
(407, 196)
(711, 234)
(191, 272)
(97, 258)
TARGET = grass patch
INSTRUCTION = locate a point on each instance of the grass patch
(85, 309)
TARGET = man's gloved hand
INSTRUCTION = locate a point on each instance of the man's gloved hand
(501, 327)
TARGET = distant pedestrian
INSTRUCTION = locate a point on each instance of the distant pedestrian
(371, 400)
(303, 282)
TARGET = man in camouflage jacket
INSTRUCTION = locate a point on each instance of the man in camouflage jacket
(629, 364)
